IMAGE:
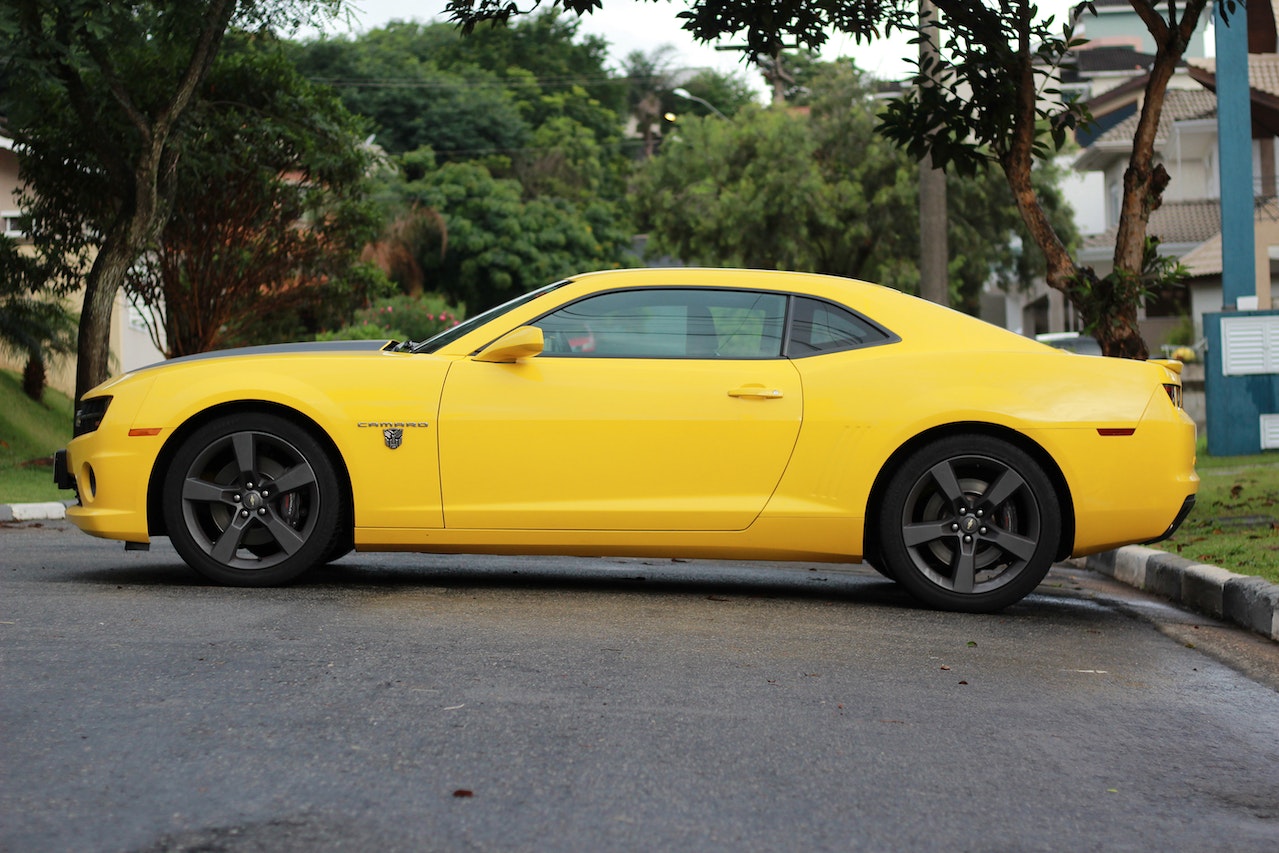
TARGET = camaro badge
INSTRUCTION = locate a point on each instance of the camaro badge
(392, 431)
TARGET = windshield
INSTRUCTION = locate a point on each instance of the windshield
(449, 335)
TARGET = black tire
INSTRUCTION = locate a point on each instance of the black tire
(969, 523)
(876, 562)
(253, 500)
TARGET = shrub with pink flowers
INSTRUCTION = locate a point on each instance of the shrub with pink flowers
(402, 318)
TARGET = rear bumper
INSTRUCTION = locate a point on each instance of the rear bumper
(1186, 507)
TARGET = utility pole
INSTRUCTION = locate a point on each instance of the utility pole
(934, 245)
(777, 77)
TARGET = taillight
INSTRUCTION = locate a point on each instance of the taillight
(89, 414)
(1174, 394)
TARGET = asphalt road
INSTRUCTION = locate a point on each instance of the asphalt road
(410, 702)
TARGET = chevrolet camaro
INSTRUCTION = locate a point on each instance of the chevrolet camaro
(727, 414)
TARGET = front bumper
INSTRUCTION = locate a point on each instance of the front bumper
(61, 475)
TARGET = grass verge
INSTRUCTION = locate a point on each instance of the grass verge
(29, 433)
(1235, 522)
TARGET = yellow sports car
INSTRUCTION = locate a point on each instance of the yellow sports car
(662, 412)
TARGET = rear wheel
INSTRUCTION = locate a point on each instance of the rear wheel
(252, 500)
(970, 523)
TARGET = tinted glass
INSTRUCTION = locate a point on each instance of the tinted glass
(819, 327)
(449, 335)
(668, 323)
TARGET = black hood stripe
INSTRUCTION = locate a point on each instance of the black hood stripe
(279, 349)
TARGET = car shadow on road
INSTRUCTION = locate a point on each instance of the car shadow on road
(362, 575)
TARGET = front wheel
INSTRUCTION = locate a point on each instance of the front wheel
(252, 500)
(970, 523)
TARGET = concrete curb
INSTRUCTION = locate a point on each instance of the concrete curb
(48, 511)
(1250, 602)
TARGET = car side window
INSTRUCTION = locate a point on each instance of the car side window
(818, 327)
(668, 323)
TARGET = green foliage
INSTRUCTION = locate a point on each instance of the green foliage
(390, 76)
(967, 111)
(988, 237)
(728, 93)
(547, 46)
(512, 162)
(821, 192)
(35, 326)
(96, 94)
(270, 209)
(362, 332)
(740, 193)
(403, 318)
(89, 84)
(29, 323)
(300, 321)
(766, 27)
(1102, 300)
(501, 244)
(1183, 334)
(424, 85)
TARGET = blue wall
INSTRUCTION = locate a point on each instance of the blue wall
(1235, 403)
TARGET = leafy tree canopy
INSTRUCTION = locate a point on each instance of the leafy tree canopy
(466, 98)
(823, 192)
(269, 214)
(96, 94)
(766, 27)
(499, 243)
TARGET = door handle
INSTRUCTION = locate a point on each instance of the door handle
(757, 391)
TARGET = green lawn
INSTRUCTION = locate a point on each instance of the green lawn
(29, 433)
(1235, 523)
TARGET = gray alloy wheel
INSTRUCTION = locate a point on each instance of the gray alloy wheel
(252, 500)
(970, 523)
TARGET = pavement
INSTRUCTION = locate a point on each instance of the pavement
(1247, 601)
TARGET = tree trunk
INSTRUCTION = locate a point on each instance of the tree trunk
(34, 376)
(93, 351)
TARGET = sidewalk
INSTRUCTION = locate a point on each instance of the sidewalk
(1249, 602)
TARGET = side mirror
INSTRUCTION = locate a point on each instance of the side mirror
(524, 342)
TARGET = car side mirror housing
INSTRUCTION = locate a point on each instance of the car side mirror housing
(524, 342)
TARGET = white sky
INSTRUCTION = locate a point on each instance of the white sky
(630, 25)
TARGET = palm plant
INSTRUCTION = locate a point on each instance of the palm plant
(31, 326)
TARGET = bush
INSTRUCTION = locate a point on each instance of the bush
(360, 332)
(401, 317)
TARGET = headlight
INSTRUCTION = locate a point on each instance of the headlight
(89, 414)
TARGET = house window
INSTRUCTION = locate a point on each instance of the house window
(16, 224)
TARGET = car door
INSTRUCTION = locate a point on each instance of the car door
(648, 409)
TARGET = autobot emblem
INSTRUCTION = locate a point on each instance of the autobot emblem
(393, 437)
